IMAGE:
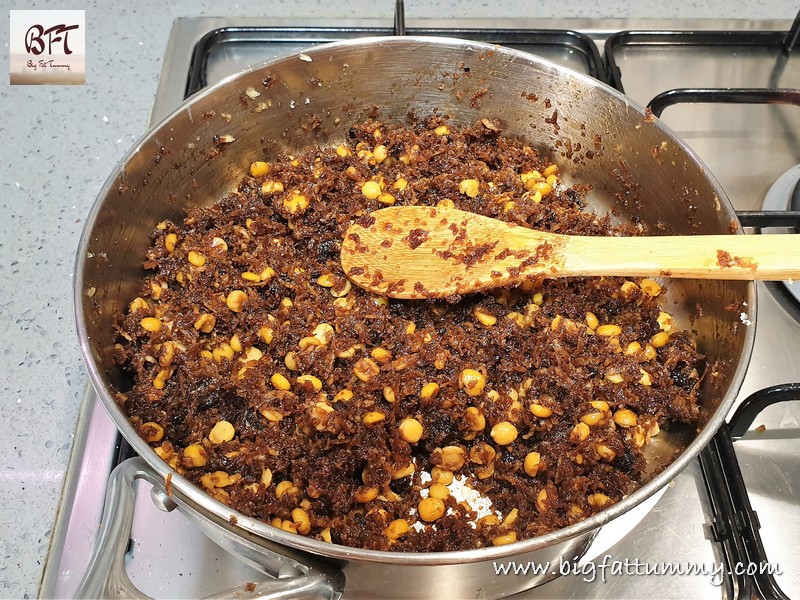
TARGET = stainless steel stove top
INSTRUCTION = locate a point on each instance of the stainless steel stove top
(747, 147)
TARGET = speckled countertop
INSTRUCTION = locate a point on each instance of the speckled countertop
(58, 145)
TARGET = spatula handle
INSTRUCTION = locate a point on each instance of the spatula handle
(766, 257)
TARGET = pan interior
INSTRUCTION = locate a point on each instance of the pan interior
(638, 170)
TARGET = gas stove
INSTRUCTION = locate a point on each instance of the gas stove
(731, 90)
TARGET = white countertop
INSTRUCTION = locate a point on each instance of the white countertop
(59, 143)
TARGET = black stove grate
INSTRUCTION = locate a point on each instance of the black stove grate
(734, 524)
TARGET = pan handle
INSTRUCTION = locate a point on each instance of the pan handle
(106, 576)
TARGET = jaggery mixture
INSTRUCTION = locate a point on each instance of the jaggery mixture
(263, 375)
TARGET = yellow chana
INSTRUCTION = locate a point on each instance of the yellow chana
(598, 500)
(196, 258)
(205, 323)
(506, 538)
(541, 500)
(285, 487)
(604, 452)
(632, 348)
(310, 380)
(290, 360)
(235, 300)
(396, 529)
(475, 418)
(439, 490)
(373, 417)
(484, 317)
(451, 458)
(650, 287)
(279, 382)
(469, 187)
(430, 509)
(170, 241)
(266, 477)
(580, 432)
(365, 369)
(472, 382)
(302, 522)
(296, 202)
(371, 189)
(659, 340)
(150, 324)
(343, 396)
(259, 168)
(541, 411)
(592, 418)
(195, 455)
(151, 432)
(551, 170)
(504, 433)
(138, 304)
(380, 153)
(410, 430)
(266, 333)
(625, 417)
(160, 380)
(403, 471)
(326, 280)
(366, 494)
(223, 351)
(531, 463)
(542, 187)
(217, 479)
(271, 186)
(381, 355)
(223, 431)
(429, 391)
(271, 415)
(440, 475)
(609, 330)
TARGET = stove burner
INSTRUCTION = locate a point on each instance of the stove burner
(784, 194)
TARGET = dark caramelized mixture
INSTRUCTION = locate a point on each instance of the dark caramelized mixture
(264, 376)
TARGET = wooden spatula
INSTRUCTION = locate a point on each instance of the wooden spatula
(425, 252)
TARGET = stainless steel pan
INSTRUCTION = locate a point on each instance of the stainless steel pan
(637, 167)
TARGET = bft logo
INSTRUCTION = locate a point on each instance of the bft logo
(35, 40)
(48, 47)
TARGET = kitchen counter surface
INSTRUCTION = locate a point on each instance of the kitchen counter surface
(59, 143)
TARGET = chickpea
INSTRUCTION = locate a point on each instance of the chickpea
(430, 509)
(410, 430)
(532, 462)
(472, 382)
(504, 433)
